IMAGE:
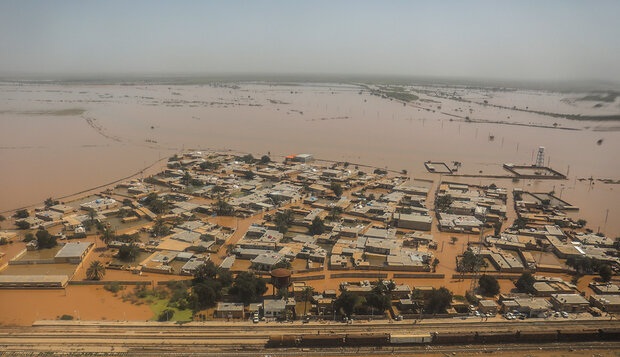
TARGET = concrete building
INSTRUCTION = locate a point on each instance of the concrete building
(274, 308)
(33, 281)
(228, 262)
(488, 306)
(609, 303)
(569, 302)
(414, 221)
(304, 158)
(380, 233)
(230, 310)
(605, 288)
(266, 261)
(533, 307)
(73, 252)
(190, 267)
(100, 204)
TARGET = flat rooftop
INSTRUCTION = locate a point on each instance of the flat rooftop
(73, 250)
(19, 281)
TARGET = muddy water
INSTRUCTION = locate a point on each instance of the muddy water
(123, 128)
(81, 302)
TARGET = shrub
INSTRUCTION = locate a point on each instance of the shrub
(165, 315)
(113, 287)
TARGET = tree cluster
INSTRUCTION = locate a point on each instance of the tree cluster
(525, 283)
(45, 239)
(438, 301)
(488, 285)
(156, 204)
(317, 227)
(471, 262)
(443, 202)
(380, 297)
(224, 208)
(128, 252)
(347, 302)
(160, 229)
(379, 171)
(22, 225)
(247, 287)
(209, 165)
(283, 220)
(587, 265)
(207, 285)
(22, 213)
(49, 202)
(337, 188)
(248, 159)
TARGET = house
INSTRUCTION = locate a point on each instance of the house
(605, 288)
(380, 233)
(414, 221)
(266, 261)
(547, 286)
(73, 252)
(380, 246)
(49, 216)
(304, 158)
(324, 305)
(64, 209)
(609, 303)
(569, 302)
(254, 308)
(401, 291)
(533, 307)
(274, 308)
(190, 267)
(488, 306)
(229, 310)
(100, 204)
(228, 262)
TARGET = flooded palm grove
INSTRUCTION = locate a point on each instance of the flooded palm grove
(58, 139)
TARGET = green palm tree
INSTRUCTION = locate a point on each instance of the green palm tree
(95, 271)
(107, 235)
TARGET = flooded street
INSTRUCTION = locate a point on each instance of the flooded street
(57, 139)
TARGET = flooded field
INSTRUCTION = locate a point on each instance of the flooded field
(22, 307)
(56, 140)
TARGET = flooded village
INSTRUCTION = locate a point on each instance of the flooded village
(392, 215)
(275, 179)
(316, 239)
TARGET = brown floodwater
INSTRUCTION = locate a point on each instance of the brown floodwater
(56, 140)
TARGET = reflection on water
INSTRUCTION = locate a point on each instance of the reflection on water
(49, 148)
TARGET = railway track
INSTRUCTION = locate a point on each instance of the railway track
(599, 348)
(271, 328)
(111, 338)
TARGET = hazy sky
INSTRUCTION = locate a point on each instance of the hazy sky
(553, 40)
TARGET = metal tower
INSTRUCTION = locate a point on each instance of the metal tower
(477, 273)
(540, 157)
